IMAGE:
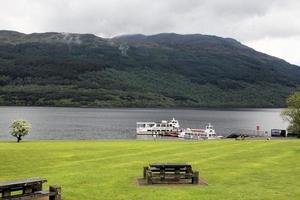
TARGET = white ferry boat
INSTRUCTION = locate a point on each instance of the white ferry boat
(207, 133)
(170, 128)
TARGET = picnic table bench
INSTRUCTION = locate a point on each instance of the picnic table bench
(170, 173)
(28, 189)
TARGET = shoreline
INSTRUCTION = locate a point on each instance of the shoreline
(149, 140)
(154, 108)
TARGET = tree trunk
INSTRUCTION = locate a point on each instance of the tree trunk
(19, 138)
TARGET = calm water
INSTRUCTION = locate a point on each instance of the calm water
(91, 123)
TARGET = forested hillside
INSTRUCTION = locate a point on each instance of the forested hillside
(164, 70)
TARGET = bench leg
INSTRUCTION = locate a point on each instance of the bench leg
(6, 193)
(145, 172)
(38, 187)
(55, 193)
(177, 175)
(27, 190)
(162, 175)
(195, 178)
(149, 178)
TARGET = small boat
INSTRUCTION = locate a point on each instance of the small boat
(172, 128)
(164, 128)
(207, 133)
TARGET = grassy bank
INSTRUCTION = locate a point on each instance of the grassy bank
(106, 169)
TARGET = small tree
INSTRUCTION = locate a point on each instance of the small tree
(20, 128)
(292, 113)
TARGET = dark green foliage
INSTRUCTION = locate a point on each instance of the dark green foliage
(165, 70)
(292, 113)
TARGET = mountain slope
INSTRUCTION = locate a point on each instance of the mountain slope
(163, 70)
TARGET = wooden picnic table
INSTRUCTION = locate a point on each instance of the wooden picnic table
(170, 173)
(31, 188)
(33, 183)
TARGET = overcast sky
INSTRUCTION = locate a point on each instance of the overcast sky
(270, 26)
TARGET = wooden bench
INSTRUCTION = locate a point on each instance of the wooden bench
(28, 189)
(170, 173)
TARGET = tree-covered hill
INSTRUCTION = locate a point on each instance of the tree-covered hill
(164, 70)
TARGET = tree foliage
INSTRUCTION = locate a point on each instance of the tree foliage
(20, 128)
(292, 113)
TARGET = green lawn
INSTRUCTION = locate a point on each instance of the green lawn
(89, 170)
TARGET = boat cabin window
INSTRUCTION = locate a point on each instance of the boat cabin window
(141, 125)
